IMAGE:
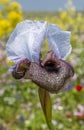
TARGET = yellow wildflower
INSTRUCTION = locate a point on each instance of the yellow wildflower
(10, 63)
(4, 1)
(0, 14)
(1, 33)
(15, 5)
(5, 27)
(4, 24)
(14, 16)
(64, 15)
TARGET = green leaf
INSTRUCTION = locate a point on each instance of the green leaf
(46, 104)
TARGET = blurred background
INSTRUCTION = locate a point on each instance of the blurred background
(19, 103)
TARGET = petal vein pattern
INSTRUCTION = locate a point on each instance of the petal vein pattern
(26, 41)
(28, 36)
(59, 41)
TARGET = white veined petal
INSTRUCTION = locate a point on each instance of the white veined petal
(26, 41)
(59, 41)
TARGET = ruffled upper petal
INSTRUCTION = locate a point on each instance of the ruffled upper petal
(27, 38)
(26, 41)
(59, 41)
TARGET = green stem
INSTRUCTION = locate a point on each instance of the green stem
(46, 104)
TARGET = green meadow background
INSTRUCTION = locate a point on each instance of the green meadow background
(20, 108)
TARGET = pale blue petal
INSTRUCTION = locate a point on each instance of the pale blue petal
(26, 41)
(59, 41)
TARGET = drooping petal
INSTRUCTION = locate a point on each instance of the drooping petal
(26, 41)
(59, 41)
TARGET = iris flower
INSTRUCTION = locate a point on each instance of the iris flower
(23, 48)
(51, 73)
